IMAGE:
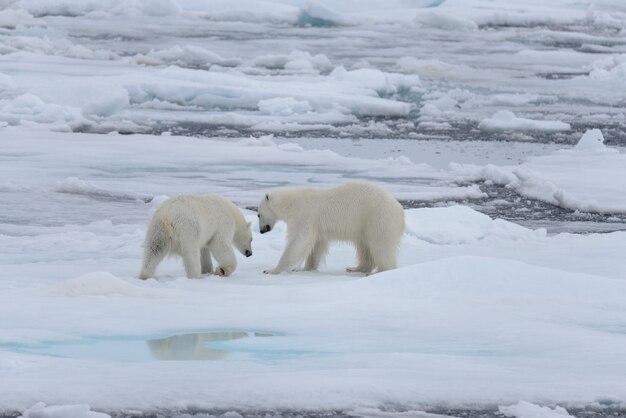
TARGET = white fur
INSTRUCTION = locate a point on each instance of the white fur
(359, 212)
(196, 228)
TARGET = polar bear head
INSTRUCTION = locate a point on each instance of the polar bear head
(243, 239)
(267, 217)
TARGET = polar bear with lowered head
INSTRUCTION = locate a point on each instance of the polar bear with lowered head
(358, 212)
(196, 228)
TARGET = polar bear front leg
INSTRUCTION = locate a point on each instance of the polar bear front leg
(205, 260)
(297, 249)
(225, 257)
(316, 256)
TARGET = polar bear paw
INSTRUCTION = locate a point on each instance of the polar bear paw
(224, 271)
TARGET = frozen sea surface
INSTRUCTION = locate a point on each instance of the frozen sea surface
(499, 126)
(599, 412)
(462, 70)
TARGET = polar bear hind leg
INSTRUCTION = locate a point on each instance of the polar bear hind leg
(191, 260)
(364, 257)
(384, 255)
(156, 247)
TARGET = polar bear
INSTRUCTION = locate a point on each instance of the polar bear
(196, 227)
(358, 212)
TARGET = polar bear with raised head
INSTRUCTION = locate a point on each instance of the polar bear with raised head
(358, 212)
(196, 228)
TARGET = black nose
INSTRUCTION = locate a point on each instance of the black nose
(266, 228)
(248, 253)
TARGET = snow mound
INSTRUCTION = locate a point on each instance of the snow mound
(525, 409)
(262, 141)
(283, 106)
(609, 69)
(295, 60)
(12, 18)
(505, 120)
(101, 284)
(462, 225)
(448, 22)
(107, 105)
(381, 82)
(156, 202)
(41, 410)
(74, 185)
(593, 141)
(316, 14)
(185, 56)
(29, 107)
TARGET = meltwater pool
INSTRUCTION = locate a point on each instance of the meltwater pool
(198, 346)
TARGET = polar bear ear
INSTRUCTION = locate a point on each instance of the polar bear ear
(267, 197)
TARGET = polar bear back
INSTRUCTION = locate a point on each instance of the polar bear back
(358, 209)
(351, 211)
(197, 219)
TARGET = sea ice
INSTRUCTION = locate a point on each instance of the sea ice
(41, 410)
(505, 120)
(528, 410)
(579, 179)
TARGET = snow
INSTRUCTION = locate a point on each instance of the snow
(316, 14)
(344, 338)
(494, 304)
(445, 21)
(462, 225)
(593, 141)
(100, 284)
(41, 410)
(438, 102)
(286, 106)
(505, 120)
(609, 69)
(527, 410)
(11, 19)
(295, 60)
(186, 55)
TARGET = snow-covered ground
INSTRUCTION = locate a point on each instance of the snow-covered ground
(238, 97)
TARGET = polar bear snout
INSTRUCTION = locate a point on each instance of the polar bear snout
(248, 253)
(265, 228)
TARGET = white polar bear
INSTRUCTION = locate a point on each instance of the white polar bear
(359, 212)
(196, 227)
